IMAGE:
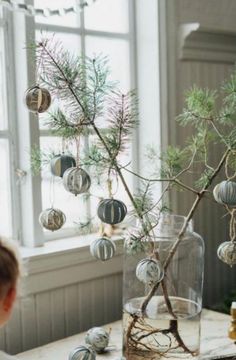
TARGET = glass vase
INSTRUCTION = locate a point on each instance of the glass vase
(162, 320)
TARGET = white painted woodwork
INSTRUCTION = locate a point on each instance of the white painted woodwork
(65, 292)
(202, 43)
(214, 341)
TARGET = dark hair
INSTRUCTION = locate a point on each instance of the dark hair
(9, 266)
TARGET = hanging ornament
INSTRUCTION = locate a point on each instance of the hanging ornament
(37, 99)
(227, 252)
(149, 271)
(60, 163)
(82, 353)
(52, 219)
(98, 338)
(102, 248)
(76, 180)
(111, 211)
(225, 193)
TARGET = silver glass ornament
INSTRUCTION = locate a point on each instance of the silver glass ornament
(37, 99)
(227, 252)
(60, 163)
(82, 353)
(149, 271)
(76, 180)
(102, 248)
(98, 338)
(225, 193)
(111, 211)
(52, 219)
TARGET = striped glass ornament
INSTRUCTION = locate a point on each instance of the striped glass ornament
(60, 163)
(82, 353)
(102, 248)
(111, 211)
(225, 193)
(76, 180)
(37, 99)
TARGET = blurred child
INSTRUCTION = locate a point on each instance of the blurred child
(9, 274)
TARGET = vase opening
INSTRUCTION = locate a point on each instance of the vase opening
(170, 226)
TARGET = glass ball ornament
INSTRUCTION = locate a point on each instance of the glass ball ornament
(225, 193)
(60, 163)
(76, 180)
(82, 353)
(102, 248)
(111, 211)
(98, 338)
(227, 252)
(149, 271)
(37, 99)
(52, 219)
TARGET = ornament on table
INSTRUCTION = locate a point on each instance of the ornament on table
(82, 353)
(102, 248)
(76, 180)
(149, 271)
(52, 219)
(111, 211)
(225, 193)
(98, 338)
(60, 163)
(37, 99)
(227, 252)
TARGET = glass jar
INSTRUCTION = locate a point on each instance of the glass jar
(163, 319)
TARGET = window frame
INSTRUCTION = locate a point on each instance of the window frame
(26, 196)
(10, 134)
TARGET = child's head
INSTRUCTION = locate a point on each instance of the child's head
(9, 273)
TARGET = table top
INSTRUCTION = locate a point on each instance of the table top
(214, 341)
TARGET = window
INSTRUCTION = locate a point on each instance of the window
(8, 191)
(103, 27)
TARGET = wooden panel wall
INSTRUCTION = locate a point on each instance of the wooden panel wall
(51, 315)
(209, 220)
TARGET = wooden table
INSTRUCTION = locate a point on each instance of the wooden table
(214, 341)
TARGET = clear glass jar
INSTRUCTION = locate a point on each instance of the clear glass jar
(164, 321)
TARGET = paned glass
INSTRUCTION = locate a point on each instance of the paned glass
(3, 108)
(108, 15)
(5, 194)
(117, 52)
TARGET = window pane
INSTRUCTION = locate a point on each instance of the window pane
(5, 201)
(53, 189)
(118, 55)
(70, 19)
(3, 112)
(108, 15)
(70, 42)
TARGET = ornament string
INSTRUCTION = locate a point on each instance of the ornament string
(52, 192)
(63, 145)
(77, 141)
(109, 185)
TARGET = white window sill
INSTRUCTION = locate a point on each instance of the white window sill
(63, 262)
